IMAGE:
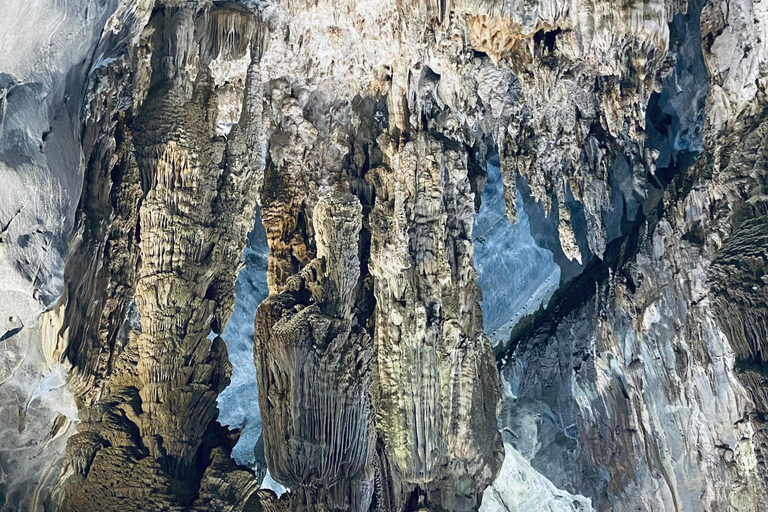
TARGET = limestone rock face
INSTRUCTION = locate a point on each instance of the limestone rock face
(166, 207)
(431, 438)
(138, 136)
(313, 365)
(641, 390)
(434, 366)
(647, 395)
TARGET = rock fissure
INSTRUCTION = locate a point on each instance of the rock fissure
(402, 155)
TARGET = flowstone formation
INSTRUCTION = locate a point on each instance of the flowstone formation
(619, 146)
(643, 387)
(167, 204)
(313, 364)
(393, 361)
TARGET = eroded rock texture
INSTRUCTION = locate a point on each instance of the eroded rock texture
(641, 389)
(632, 132)
(420, 364)
(436, 391)
(167, 208)
(313, 362)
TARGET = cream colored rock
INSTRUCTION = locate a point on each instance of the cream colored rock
(378, 388)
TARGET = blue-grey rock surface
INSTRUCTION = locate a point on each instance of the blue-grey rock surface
(634, 388)
(238, 403)
(509, 255)
(48, 52)
(516, 275)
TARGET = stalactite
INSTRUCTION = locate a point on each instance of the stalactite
(154, 425)
(363, 129)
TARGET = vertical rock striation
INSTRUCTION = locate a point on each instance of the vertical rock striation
(48, 54)
(363, 129)
(417, 363)
(436, 389)
(175, 217)
(641, 387)
(313, 363)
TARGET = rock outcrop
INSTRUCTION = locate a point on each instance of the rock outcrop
(168, 209)
(314, 372)
(641, 388)
(436, 387)
(366, 131)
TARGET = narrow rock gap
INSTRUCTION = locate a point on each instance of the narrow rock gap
(516, 274)
(238, 403)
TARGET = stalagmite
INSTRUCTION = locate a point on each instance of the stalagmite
(599, 167)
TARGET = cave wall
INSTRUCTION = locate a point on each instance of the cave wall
(166, 207)
(642, 389)
(366, 131)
